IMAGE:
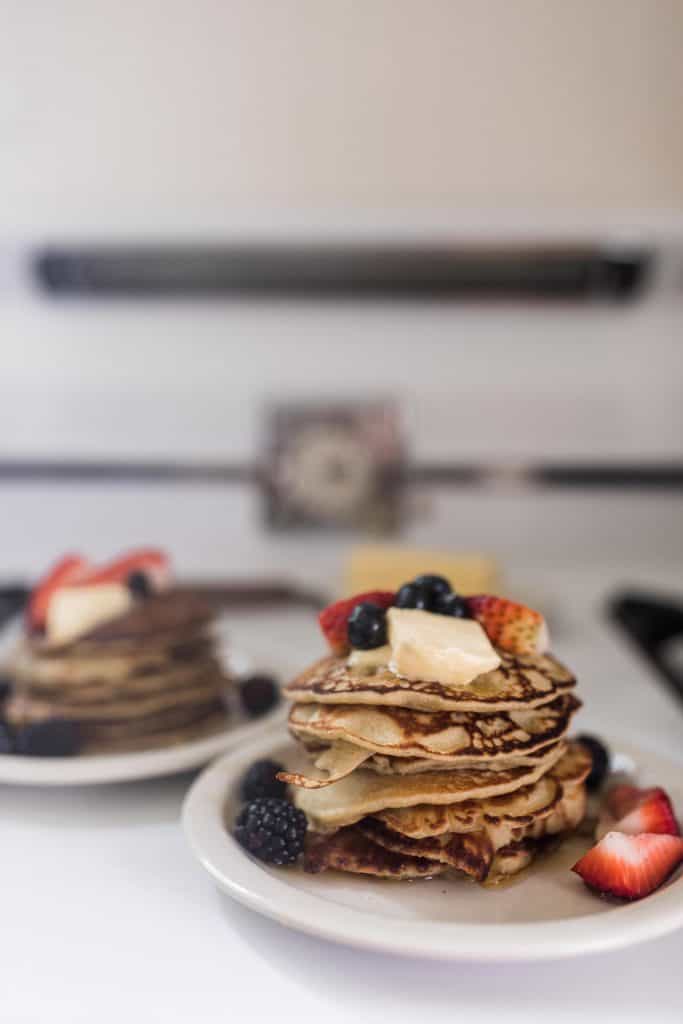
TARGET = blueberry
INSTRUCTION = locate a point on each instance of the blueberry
(452, 604)
(139, 584)
(406, 596)
(436, 584)
(260, 780)
(367, 626)
(601, 759)
(258, 694)
(57, 737)
(5, 688)
(6, 742)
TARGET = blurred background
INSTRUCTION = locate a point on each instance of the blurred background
(277, 279)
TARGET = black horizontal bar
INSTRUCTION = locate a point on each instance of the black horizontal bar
(355, 271)
(645, 475)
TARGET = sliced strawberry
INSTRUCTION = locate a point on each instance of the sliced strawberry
(641, 810)
(334, 619)
(508, 625)
(630, 866)
(151, 561)
(69, 570)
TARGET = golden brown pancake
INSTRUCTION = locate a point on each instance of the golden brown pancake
(521, 681)
(365, 792)
(350, 850)
(452, 736)
(518, 808)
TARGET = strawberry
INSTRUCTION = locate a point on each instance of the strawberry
(69, 570)
(636, 810)
(630, 866)
(508, 625)
(151, 561)
(334, 619)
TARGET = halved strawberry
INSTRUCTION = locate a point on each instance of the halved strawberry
(630, 866)
(71, 569)
(508, 625)
(634, 811)
(153, 562)
(334, 619)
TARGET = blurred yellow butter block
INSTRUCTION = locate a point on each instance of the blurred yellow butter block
(386, 567)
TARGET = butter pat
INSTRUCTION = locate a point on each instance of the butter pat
(368, 660)
(74, 611)
(438, 649)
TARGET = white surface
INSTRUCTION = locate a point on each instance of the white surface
(107, 917)
(547, 914)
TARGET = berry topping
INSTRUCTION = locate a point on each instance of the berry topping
(407, 596)
(367, 626)
(154, 563)
(641, 810)
(511, 626)
(452, 604)
(55, 737)
(334, 620)
(630, 866)
(261, 780)
(259, 694)
(600, 755)
(272, 830)
(435, 584)
(139, 584)
(70, 570)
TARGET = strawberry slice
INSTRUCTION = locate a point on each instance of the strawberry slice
(636, 810)
(153, 562)
(508, 625)
(630, 866)
(335, 618)
(69, 570)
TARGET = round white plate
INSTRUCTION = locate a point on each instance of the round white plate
(92, 769)
(546, 913)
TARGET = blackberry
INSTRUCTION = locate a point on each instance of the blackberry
(260, 780)
(367, 627)
(258, 694)
(272, 830)
(453, 605)
(601, 759)
(56, 737)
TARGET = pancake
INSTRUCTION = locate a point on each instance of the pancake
(452, 736)
(157, 621)
(365, 792)
(209, 722)
(73, 670)
(520, 681)
(22, 707)
(183, 677)
(349, 850)
(563, 782)
(341, 758)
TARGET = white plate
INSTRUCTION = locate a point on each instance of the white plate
(546, 913)
(92, 769)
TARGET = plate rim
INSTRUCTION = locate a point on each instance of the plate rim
(262, 891)
(132, 766)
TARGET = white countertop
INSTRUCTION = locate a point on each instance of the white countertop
(106, 916)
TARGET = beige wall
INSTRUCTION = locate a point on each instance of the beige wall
(113, 110)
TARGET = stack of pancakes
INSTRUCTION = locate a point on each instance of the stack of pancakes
(413, 778)
(149, 678)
